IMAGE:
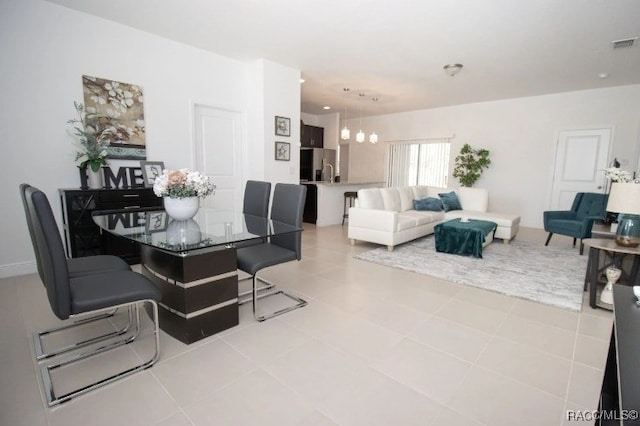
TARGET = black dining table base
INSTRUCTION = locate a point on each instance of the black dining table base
(199, 290)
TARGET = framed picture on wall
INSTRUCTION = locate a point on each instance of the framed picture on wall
(150, 171)
(283, 151)
(283, 126)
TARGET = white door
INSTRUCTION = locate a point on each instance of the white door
(581, 158)
(218, 140)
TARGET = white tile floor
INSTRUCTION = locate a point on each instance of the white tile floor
(375, 346)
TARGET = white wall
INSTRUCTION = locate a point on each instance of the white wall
(282, 99)
(46, 48)
(521, 135)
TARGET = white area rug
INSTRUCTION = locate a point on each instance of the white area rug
(548, 275)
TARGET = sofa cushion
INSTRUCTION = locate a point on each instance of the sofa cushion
(430, 203)
(391, 199)
(502, 219)
(423, 217)
(406, 222)
(370, 198)
(474, 199)
(450, 201)
(420, 192)
(406, 198)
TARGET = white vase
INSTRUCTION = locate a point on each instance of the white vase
(181, 208)
(183, 232)
(94, 179)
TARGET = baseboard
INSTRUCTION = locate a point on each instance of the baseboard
(22, 268)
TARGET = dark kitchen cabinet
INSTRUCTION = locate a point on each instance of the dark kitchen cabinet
(83, 237)
(310, 214)
(312, 136)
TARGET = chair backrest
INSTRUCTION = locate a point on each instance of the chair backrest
(288, 207)
(590, 204)
(55, 274)
(34, 243)
(256, 198)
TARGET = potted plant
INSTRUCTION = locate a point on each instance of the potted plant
(92, 146)
(470, 164)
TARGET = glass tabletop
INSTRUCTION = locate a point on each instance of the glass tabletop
(209, 228)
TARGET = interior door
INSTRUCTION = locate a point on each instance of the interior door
(581, 158)
(218, 135)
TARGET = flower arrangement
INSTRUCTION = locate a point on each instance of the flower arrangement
(92, 147)
(616, 174)
(182, 183)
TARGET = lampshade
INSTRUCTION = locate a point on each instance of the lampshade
(624, 198)
(345, 133)
(360, 136)
(373, 138)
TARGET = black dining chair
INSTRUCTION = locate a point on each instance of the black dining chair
(256, 198)
(77, 267)
(255, 208)
(287, 208)
(255, 205)
(85, 295)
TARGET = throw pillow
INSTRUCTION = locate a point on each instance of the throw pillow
(450, 201)
(429, 203)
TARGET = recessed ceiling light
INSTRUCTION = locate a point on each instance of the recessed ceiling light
(302, 80)
(603, 75)
(326, 107)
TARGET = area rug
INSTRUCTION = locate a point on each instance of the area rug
(548, 275)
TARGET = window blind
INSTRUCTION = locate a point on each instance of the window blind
(420, 162)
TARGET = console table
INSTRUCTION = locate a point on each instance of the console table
(620, 396)
(82, 237)
(607, 252)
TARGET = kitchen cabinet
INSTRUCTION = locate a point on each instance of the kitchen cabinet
(82, 237)
(310, 214)
(312, 136)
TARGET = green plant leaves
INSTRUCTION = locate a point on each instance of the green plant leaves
(470, 164)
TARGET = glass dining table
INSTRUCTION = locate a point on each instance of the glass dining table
(193, 262)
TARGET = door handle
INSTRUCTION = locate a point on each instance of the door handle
(600, 187)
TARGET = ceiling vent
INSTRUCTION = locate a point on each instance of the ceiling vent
(619, 44)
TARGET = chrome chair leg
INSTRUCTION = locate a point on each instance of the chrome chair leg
(268, 285)
(299, 302)
(41, 355)
(45, 370)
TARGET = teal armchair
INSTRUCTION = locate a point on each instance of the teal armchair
(577, 222)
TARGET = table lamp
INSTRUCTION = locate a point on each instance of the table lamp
(624, 198)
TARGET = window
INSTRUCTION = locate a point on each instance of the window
(420, 163)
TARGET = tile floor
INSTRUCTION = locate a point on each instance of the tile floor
(375, 346)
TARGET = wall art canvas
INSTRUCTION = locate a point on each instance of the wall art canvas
(119, 106)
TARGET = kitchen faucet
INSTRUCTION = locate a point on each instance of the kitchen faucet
(331, 170)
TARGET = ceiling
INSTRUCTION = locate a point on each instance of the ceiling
(395, 50)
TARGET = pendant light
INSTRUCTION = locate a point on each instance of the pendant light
(345, 134)
(373, 138)
(360, 134)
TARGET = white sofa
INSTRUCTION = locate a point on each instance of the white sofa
(386, 215)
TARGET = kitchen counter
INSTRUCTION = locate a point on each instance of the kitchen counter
(330, 199)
